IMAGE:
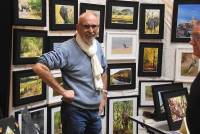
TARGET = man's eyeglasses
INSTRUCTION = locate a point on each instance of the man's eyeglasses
(90, 26)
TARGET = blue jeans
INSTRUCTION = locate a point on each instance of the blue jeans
(76, 120)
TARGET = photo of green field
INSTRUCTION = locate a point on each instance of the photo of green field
(122, 45)
(30, 86)
(31, 47)
(150, 59)
(189, 65)
(148, 93)
(57, 123)
(64, 14)
(30, 9)
(152, 21)
(122, 15)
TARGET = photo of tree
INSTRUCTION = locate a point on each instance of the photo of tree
(57, 123)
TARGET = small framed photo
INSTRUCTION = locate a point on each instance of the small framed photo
(121, 45)
(27, 88)
(121, 14)
(150, 59)
(157, 99)
(185, 14)
(63, 15)
(28, 45)
(54, 41)
(99, 10)
(121, 76)
(118, 111)
(54, 119)
(175, 104)
(145, 90)
(29, 12)
(151, 21)
(9, 125)
(187, 65)
(38, 116)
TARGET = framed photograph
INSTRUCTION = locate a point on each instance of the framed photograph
(63, 15)
(157, 99)
(54, 97)
(54, 41)
(54, 119)
(99, 10)
(145, 90)
(38, 118)
(121, 76)
(150, 59)
(9, 125)
(151, 21)
(187, 65)
(118, 111)
(28, 45)
(29, 12)
(175, 104)
(121, 14)
(121, 45)
(27, 88)
(185, 14)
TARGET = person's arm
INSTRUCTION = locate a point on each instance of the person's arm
(104, 92)
(44, 73)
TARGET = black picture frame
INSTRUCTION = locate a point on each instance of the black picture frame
(127, 80)
(59, 21)
(154, 66)
(9, 125)
(158, 104)
(25, 8)
(122, 24)
(151, 21)
(23, 83)
(28, 45)
(181, 31)
(54, 40)
(175, 100)
(96, 8)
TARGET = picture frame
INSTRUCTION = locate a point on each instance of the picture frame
(38, 116)
(28, 45)
(27, 88)
(145, 91)
(63, 15)
(157, 98)
(182, 23)
(187, 65)
(151, 52)
(29, 13)
(54, 119)
(118, 110)
(121, 14)
(151, 21)
(53, 41)
(99, 10)
(175, 104)
(121, 76)
(121, 45)
(9, 125)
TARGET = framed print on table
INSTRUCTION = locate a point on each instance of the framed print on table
(28, 45)
(150, 59)
(99, 10)
(185, 14)
(175, 104)
(145, 90)
(29, 12)
(187, 65)
(27, 88)
(121, 76)
(151, 21)
(121, 45)
(121, 14)
(118, 111)
(63, 15)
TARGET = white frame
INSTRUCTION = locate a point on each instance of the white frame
(178, 76)
(134, 45)
(110, 110)
(53, 110)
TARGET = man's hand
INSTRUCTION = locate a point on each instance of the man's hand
(68, 95)
(103, 103)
